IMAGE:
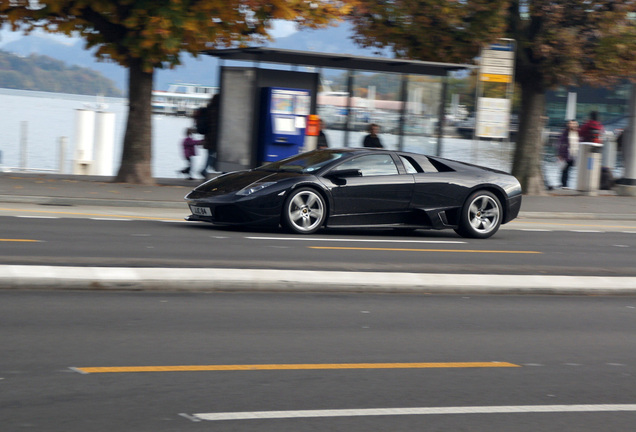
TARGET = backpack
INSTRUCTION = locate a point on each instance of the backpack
(594, 133)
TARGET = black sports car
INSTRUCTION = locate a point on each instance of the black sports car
(361, 188)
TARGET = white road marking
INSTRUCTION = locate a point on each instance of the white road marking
(512, 409)
(351, 240)
(109, 219)
(38, 217)
(189, 417)
(586, 231)
(535, 230)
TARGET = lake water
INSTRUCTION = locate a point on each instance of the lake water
(49, 116)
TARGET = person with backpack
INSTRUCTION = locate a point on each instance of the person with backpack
(592, 130)
(206, 120)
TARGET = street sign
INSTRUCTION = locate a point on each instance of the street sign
(493, 113)
(497, 62)
(496, 78)
(493, 70)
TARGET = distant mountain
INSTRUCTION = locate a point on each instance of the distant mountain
(202, 70)
(43, 73)
(335, 39)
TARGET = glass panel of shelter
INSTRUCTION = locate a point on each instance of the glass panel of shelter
(377, 98)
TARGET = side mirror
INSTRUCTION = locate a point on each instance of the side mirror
(339, 177)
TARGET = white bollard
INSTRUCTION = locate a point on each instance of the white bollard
(588, 178)
(84, 136)
(24, 131)
(104, 143)
(609, 151)
(61, 162)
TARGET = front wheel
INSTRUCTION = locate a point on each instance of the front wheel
(304, 211)
(481, 216)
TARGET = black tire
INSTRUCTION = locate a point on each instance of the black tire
(481, 216)
(304, 211)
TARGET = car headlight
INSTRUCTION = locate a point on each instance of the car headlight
(253, 188)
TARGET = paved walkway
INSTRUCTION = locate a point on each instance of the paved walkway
(54, 189)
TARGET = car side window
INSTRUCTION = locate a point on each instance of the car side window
(372, 165)
(410, 169)
(421, 163)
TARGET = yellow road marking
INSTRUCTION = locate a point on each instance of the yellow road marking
(20, 240)
(424, 250)
(199, 368)
(89, 214)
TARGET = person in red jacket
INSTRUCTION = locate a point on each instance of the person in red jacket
(592, 130)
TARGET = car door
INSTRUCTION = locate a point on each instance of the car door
(381, 194)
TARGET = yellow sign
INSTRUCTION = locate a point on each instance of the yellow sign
(495, 78)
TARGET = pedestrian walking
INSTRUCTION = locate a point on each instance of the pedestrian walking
(592, 129)
(568, 149)
(207, 125)
(189, 151)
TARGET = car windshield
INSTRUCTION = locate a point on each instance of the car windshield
(304, 163)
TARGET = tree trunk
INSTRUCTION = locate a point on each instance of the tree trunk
(527, 165)
(137, 151)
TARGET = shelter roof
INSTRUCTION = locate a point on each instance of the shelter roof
(337, 61)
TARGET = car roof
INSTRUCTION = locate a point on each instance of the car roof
(368, 150)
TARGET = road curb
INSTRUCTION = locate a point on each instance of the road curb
(15, 277)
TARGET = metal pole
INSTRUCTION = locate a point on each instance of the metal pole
(627, 184)
(442, 110)
(403, 99)
(23, 144)
(350, 77)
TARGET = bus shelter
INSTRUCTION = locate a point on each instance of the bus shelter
(407, 98)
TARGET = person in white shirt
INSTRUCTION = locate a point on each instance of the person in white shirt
(568, 149)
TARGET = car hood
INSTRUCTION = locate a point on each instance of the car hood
(235, 181)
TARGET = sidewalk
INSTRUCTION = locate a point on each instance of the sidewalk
(53, 189)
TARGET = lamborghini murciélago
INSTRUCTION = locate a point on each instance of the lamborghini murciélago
(360, 187)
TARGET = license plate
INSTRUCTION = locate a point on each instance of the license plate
(201, 211)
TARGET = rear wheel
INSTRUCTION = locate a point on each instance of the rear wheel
(304, 211)
(481, 216)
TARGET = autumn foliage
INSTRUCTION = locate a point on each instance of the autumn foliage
(559, 42)
(144, 35)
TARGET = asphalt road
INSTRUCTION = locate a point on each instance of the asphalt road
(574, 358)
(84, 237)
